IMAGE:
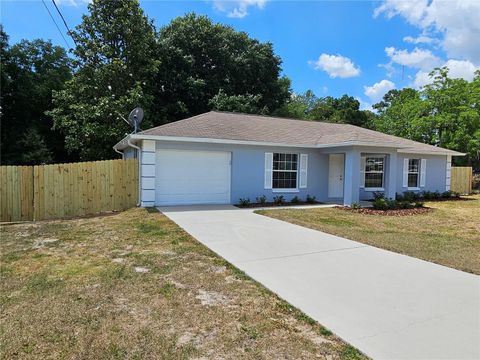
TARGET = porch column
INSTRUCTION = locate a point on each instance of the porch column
(147, 173)
(391, 189)
(351, 191)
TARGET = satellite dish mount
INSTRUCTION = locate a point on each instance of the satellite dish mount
(135, 118)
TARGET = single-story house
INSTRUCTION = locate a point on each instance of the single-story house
(220, 157)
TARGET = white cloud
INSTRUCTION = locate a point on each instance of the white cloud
(417, 58)
(377, 90)
(456, 22)
(237, 8)
(422, 39)
(458, 69)
(336, 66)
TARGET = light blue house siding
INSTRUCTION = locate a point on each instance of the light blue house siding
(436, 171)
(248, 170)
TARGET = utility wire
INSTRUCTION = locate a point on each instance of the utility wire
(58, 28)
(63, 19)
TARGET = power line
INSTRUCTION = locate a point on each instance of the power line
(58, 28)
(68, 29)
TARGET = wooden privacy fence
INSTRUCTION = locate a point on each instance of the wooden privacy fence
(66, 190)
(461, 179)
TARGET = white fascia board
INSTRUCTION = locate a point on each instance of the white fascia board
(443, 153)
(216, 141)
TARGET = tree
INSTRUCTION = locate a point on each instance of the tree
(115, 70)
(248, 104)
(30, 71)
(455, 113)
(204, 63)
(307, 106)
(444, 113)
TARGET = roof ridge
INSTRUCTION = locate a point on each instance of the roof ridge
(275, 117)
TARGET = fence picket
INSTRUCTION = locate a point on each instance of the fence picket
(65, 190)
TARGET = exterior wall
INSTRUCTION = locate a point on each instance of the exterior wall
(129, 153)
(436, 172)
(248, 170)
(435, 177)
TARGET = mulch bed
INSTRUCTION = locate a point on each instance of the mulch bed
(272, 204)
(394, 212)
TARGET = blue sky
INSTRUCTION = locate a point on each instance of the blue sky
(360, 48)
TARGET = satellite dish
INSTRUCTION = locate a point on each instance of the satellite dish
(135, 118)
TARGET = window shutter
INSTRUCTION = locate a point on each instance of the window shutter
(268, 170)
(303, 171)
(362, 171)
(423, 172)
(405, 172)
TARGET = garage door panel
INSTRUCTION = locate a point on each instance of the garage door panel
(192, 177)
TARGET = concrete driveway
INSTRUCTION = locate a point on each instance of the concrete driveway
(389, 306)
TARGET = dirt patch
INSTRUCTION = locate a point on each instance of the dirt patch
(211, 298)
(392, 212)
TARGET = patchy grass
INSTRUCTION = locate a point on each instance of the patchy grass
(449, 235)
(134, 285)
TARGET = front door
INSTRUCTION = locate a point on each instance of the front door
(335, 175)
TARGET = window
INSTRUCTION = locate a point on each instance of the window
(374, 172)
(413, 172)
(285, 171)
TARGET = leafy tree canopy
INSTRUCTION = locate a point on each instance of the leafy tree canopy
(345, 109)
(445, 113)
(30, 71)
(115, 67)
(203, 63)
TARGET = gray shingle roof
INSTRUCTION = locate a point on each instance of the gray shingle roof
(266, 129)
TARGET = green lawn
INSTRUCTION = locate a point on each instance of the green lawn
(134, 285)
(449, 235)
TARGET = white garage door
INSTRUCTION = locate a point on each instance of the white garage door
(192, 177)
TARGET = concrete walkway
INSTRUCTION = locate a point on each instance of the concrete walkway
(390, 306)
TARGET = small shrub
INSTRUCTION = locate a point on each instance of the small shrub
(295, 200)
(410, 196)
(311, 199)
(436, 195)
(384, 204)
(378, 195)
(456, 195)
(427, 195)
(279, 200)
(405, 205)
(261, 199)
(355, 205)
(399, 197)
(418, 204)
(244, 202)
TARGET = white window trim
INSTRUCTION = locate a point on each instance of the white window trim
(292, 190)
(413, 172)
(295, 189)
(365, 172)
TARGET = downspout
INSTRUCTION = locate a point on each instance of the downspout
(139, 170)
(120, 152)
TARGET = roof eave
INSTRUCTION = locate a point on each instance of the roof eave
(400, 149)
